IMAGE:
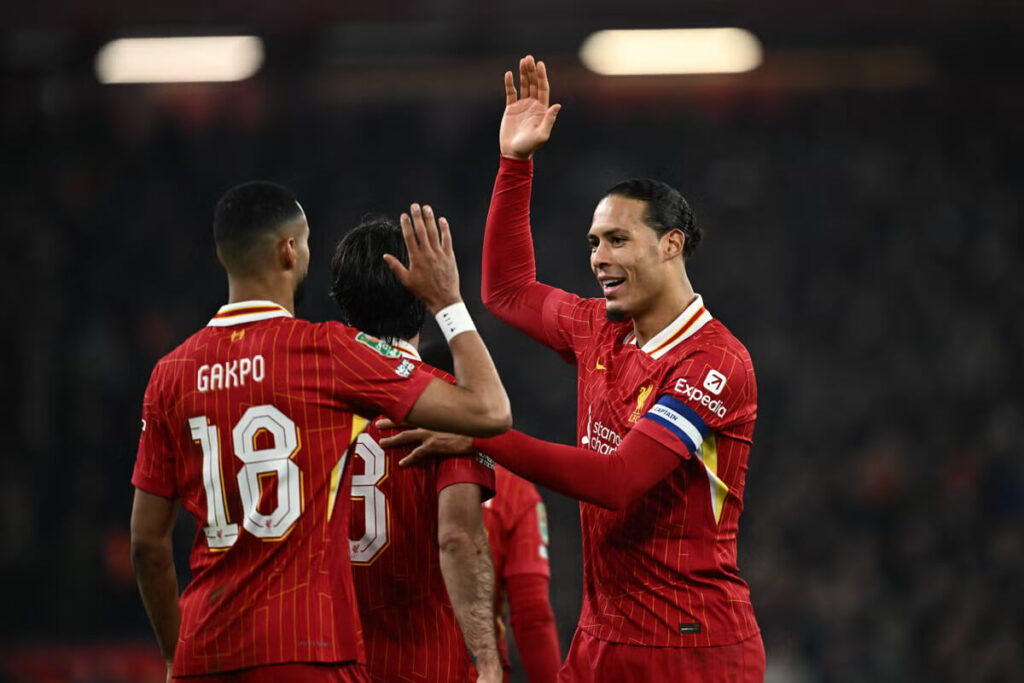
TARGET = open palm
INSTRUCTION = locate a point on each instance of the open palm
(529, 116)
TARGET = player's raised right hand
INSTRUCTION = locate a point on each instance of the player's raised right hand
(432, 275)
(529, 116)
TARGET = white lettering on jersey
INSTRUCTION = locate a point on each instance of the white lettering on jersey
(695, 395)
(234, 373)
(599, 437)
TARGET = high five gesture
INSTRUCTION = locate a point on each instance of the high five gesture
(529, 116)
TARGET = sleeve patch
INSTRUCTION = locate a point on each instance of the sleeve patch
(680, 420)
(378, 345)
(404, 369)
(542, 523)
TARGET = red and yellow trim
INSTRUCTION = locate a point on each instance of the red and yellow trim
(689, 321)
(681, 332)
(247, 312)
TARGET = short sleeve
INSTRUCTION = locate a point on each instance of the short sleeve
(569, 322)
(471, 469)
(155, 461)
(527, 541)
(704, 393)
(373, 376)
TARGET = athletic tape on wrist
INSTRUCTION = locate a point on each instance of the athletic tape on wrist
(454, 320)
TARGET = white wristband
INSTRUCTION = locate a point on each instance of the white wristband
(454, 320)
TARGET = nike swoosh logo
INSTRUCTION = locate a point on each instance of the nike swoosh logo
(599, 366)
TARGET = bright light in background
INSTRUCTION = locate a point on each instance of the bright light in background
(671, 51)
(179, 60)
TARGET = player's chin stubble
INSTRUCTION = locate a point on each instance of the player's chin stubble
(615, 316)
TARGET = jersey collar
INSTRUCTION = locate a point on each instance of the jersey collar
(694, 317)
(247, 312)
(406, 349)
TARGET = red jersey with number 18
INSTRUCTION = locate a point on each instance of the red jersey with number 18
(409, 625)
(249, 423)
(662, 571)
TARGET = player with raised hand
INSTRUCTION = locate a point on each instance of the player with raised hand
(249, 425)
(667, 401)
(423, 573)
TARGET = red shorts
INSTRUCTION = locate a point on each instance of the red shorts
(295, 672)
(597, 661)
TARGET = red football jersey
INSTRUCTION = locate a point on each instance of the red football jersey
(249, 423)
(517, 528)
(409, 625)
(663, 571)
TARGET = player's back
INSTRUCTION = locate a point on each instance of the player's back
(409, 625)
(248, 423)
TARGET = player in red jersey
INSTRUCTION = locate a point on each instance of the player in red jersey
(249, 424)
(420, 557)
(517, 529)
(666, 407)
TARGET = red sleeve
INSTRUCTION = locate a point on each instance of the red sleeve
(533, 625)
(707, 392)
(471, 469)
(372, 375)
(155, 462)
(611, 481)
(508, 285)
(526, 544)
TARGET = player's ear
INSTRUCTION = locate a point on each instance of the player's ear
(287, 256)
(672, 243)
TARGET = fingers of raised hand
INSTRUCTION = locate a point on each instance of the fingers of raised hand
(385, 423)
(400, 271)
(510, 89)
(446, 236)
(543, 86)
(430, 225)
(532, 90)
(418, 228)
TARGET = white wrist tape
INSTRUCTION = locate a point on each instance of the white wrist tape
(454, 320)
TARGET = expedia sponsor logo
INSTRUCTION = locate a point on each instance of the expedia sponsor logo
(696, 395)
(599, 437)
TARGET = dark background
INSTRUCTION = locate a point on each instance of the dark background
(862, 198)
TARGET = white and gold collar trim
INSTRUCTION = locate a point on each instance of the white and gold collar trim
(247, 312)
(405, 348)
(694, 317)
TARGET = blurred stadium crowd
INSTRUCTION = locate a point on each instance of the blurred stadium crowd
(865, 246)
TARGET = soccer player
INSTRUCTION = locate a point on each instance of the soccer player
(418, 534)
(665, 417)
(517, 528)
(249, 424)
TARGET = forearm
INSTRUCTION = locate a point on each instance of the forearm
(533, 625)
(158, 586)
(477, 404)
(468, 572)
(475, 373)
(611, 481)
(509, 286)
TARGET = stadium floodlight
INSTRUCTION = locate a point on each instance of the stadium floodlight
(194, 59)
(671, 51)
